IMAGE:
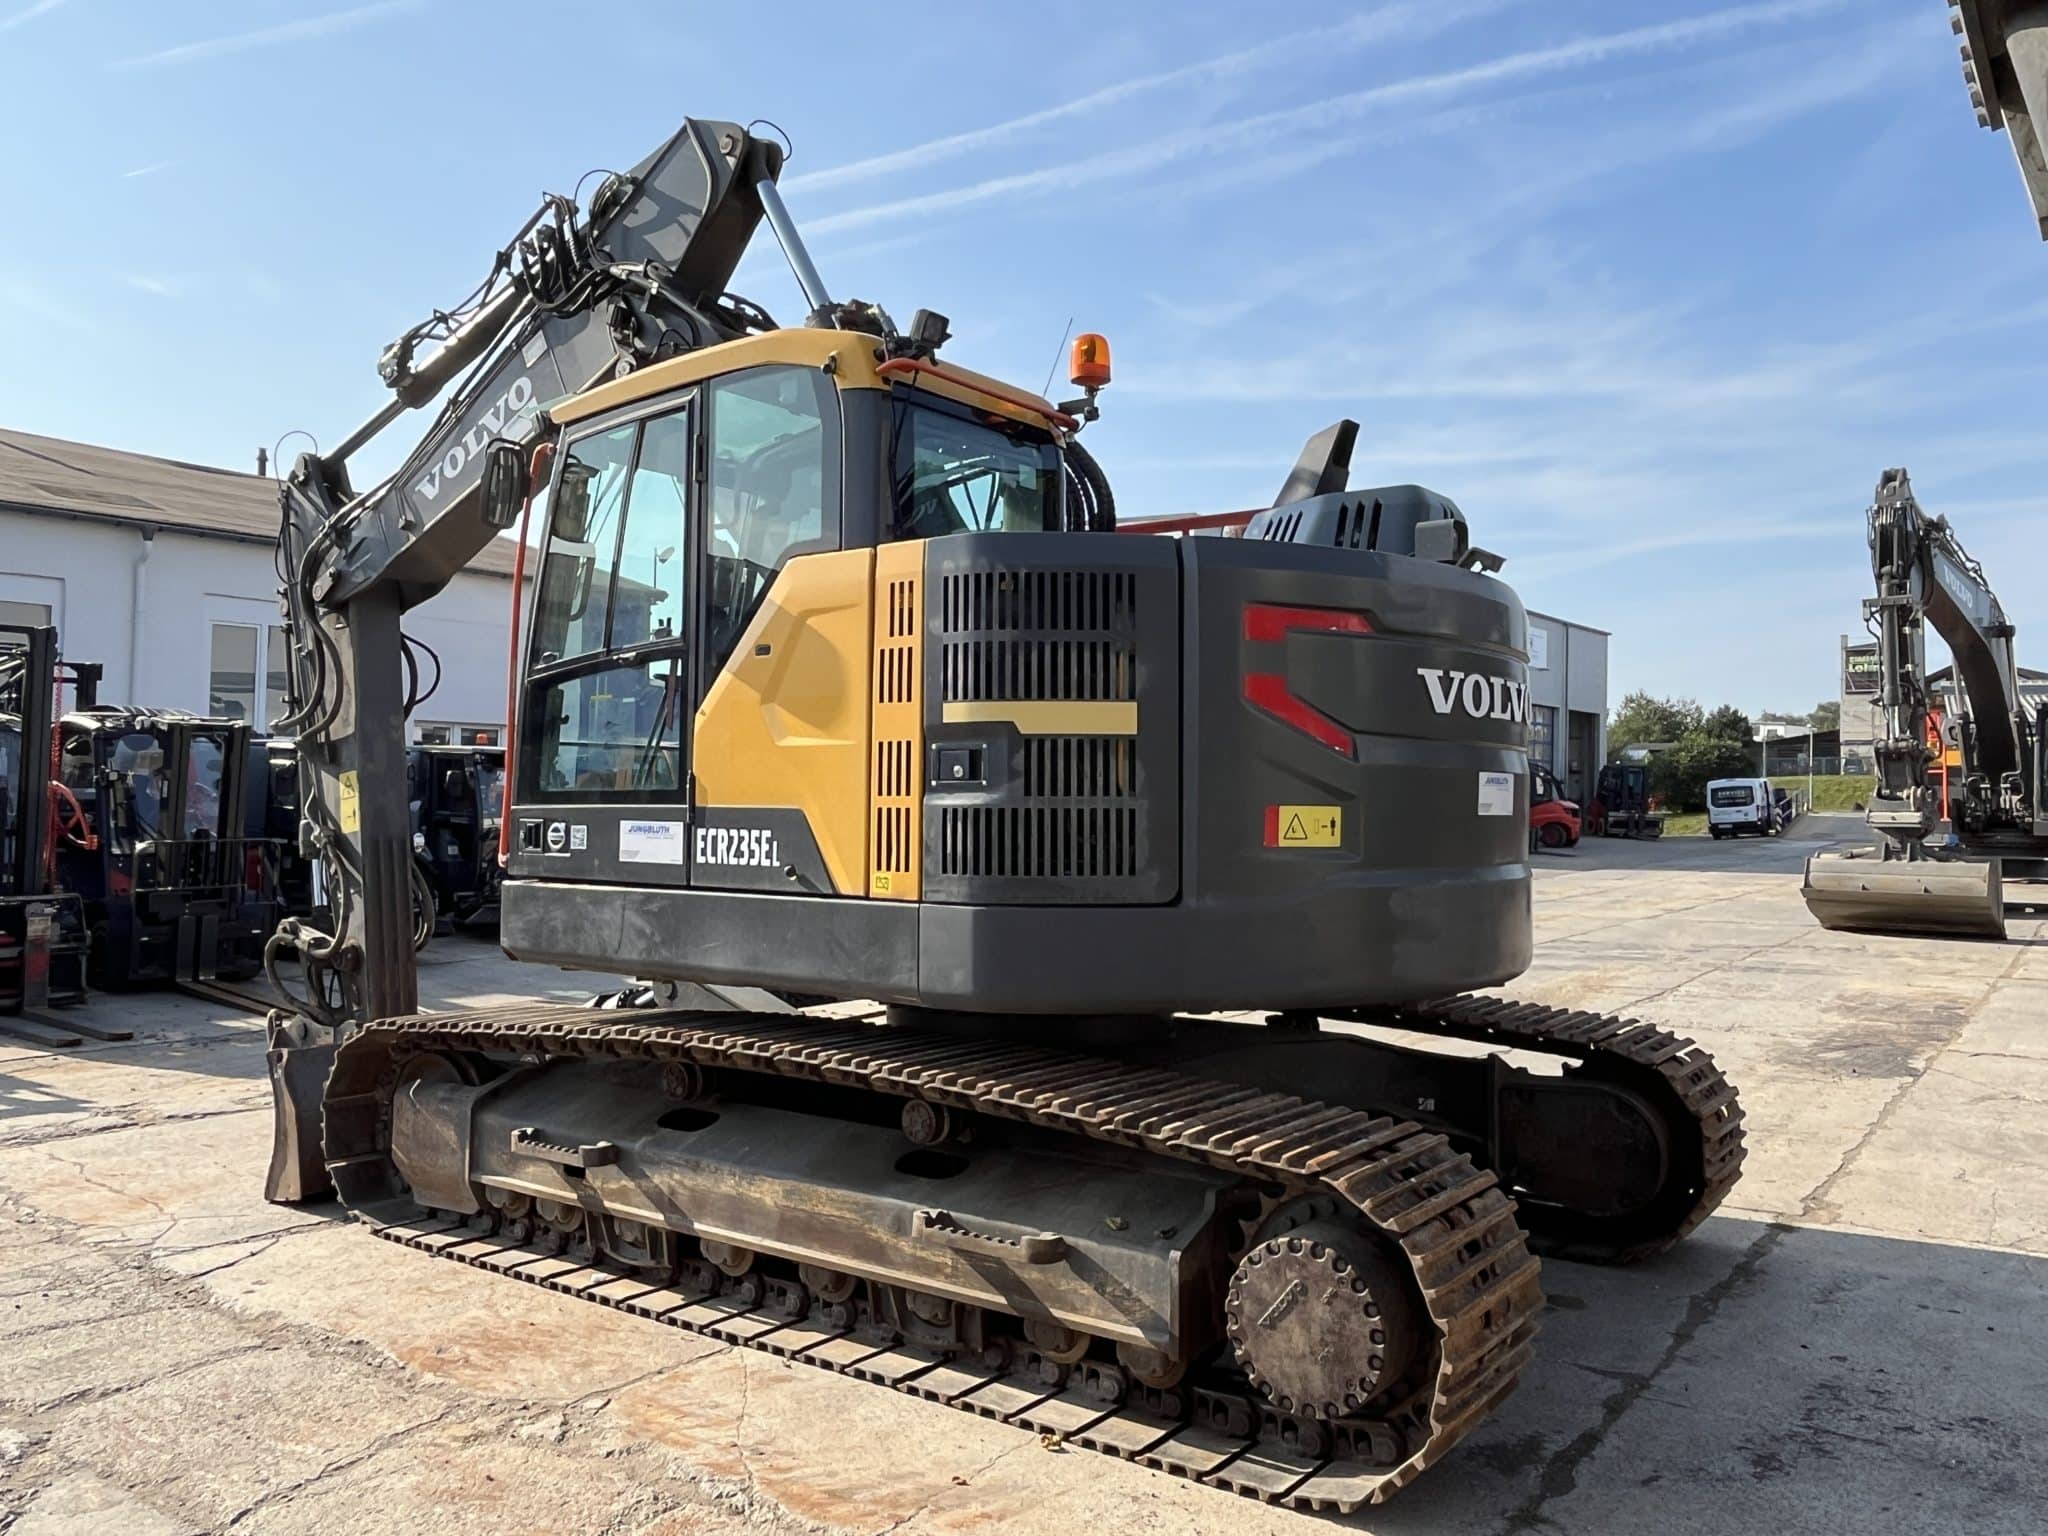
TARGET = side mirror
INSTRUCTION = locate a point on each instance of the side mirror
(571, 520)
(504, 483)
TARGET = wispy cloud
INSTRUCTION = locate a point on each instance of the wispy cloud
(29, 13)
(303, 30)
(145, 282)
(1522, 353)
(1262, 131)
(148, 170)
(1385, 24)
(30, 297)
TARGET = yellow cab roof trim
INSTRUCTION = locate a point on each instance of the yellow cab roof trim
(856, 364)
(851, 353)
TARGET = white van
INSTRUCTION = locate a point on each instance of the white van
(1736, 806)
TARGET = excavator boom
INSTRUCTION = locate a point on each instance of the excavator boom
(579, 295)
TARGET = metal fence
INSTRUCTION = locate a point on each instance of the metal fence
(1790, 759)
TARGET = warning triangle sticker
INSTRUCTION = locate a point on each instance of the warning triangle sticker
(1296, 832)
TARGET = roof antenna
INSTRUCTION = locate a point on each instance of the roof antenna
(1056, 354)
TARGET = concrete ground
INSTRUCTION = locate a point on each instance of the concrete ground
(1858, 1342)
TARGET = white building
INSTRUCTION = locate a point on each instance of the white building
(162, 572)
(1568, 702)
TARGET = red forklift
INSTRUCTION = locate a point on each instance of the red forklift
(1622, 805)
(43, 933)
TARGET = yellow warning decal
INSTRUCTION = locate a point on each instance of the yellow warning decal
(350, 812)
(1304, 826)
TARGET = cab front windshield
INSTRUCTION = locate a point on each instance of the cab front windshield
(955, 475)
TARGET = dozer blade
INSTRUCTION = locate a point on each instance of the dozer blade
(1864, 893)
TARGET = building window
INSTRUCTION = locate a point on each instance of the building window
(1543, 735)
(241, 655)
(276, 658)
(231, 687)
(22, 616)
(451, 733)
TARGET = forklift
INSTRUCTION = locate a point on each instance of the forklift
(159, 857)
(457, 794)
(277, 875)
(1622, 805)
(42, 929)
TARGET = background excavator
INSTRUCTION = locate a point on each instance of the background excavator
(940, 820)
(1992, 798)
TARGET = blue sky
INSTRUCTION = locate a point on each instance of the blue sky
(1654, 292)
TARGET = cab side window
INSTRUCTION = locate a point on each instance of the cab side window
(604, 705)
(576, 578)
(773, 493)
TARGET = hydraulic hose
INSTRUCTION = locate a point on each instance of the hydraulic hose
(1091, 505)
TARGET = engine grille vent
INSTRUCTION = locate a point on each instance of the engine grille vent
(895, 789)
(1038, 842)
(1079, 767)
(1358, 525)
(895, 768)
(1072, 807)
(1039, 599)
(978, 670)
(896, 656)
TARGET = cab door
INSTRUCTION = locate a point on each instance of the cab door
(601, 785)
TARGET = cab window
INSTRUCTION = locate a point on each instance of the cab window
(604, 696)
(611, 733)
(774, 492)
(955, 475)
(575, 598)
(648, 605)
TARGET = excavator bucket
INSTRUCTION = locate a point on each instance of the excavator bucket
(1863, 892)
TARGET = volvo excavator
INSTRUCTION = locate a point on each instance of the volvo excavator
(1991, 798)
(1053, 941)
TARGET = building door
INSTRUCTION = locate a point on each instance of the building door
(1582, 762)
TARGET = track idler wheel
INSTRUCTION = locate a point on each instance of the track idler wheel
(1321, 1319)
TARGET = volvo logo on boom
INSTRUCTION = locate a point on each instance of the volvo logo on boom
(502, 412)
(1479, 694)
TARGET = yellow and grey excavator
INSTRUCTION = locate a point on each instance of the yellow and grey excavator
(1051, 938)
(1973, 772)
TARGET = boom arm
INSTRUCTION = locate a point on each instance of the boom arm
(2004, 45)
(576, 297)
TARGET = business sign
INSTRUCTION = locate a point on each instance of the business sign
(1861, 672)
(1539, 648)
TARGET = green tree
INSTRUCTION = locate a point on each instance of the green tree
(1727, 724)
(1826, 716)
(1642, 718)
(1679, 777)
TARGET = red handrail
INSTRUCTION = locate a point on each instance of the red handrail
(1189, 522)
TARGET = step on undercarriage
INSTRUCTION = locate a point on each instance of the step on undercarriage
(1304, 1301)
